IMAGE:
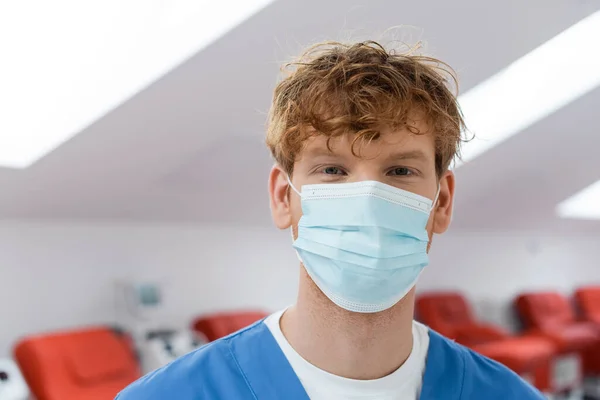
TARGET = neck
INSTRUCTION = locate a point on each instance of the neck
(347, 344)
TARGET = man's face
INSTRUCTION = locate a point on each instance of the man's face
(397, 158)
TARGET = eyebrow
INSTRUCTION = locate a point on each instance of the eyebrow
(321, 151)
(418, 155)
(408, 155)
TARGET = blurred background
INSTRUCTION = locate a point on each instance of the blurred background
(133, 175)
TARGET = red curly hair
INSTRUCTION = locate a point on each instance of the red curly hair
(335, 89)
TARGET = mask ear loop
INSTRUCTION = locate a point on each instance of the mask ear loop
(435, 200)
(291, 227)
(292, 186)
(437, 196)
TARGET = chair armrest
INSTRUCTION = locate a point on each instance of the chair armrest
(479, 334)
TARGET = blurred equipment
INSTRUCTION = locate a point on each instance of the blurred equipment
(91, 364)
(158, 341)
(140, 308)
(550, 315)
(12, 384)
(450, 315)
(216, 326)
(163, 346)
(140, 300)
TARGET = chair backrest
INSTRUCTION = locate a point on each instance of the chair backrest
(444, 312)
(87, 363)
(544, 310)
(216, 326)
(588, 301)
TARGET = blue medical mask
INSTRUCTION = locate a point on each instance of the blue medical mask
(364, 244)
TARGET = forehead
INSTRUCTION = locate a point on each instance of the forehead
(400, 141)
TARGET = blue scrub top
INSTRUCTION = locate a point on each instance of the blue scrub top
(249, 365)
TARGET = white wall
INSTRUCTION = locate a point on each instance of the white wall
(61, 275)
(57, 275)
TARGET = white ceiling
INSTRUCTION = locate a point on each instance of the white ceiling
(190, 147)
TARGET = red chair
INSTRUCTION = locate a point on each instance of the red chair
(450, 315)
(588, 302)
(91, 364)
(550, 315)
(216, 326)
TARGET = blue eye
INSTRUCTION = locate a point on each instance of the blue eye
(332, 171)
(401, 171)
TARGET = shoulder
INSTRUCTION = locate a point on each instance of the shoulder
(486, 378)
(207, 373)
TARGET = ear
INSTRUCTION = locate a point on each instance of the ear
(442, 213)
(279, 198)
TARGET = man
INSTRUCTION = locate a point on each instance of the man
(363, 139)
